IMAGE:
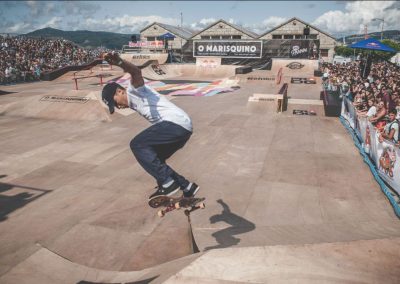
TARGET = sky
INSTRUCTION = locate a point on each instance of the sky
(337, 18)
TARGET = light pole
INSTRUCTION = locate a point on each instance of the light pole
(383, 22)
(181, 38)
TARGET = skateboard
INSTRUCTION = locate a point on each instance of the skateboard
(171, 203)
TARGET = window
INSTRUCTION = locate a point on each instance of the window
(205, 37)
(236, 37)
(216, 37)
(226, 37)
(312, 36)
(324, 52)
(151, 38)
(276, 36)
(298, 36)
(288, 36)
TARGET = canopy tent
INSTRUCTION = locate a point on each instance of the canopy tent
(166, 36)
(372, 44)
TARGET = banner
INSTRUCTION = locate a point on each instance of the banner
(308, 49)
(228, 49)
(385, 155)
(155, 43)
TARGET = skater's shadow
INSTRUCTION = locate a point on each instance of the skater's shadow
(226, 237)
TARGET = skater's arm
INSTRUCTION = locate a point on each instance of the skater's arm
(133, 70)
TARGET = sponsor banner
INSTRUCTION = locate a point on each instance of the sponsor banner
(228, 49)
(156, 43)
(208, 62)
(65, 99)
(384, 154)
(304, 49)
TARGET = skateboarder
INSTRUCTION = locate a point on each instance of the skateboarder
(170, 130)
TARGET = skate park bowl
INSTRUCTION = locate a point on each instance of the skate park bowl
(288, 197)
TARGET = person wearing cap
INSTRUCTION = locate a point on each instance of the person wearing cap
(170, 130)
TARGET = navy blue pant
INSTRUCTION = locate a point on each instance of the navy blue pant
(153, 146)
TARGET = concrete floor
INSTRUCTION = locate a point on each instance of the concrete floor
(71, 190)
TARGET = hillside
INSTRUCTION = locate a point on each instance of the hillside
(87, 39)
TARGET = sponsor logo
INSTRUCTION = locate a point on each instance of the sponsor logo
(295, 65)
(64, 99)
(296, 50)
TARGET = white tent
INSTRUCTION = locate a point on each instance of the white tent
(396, 59)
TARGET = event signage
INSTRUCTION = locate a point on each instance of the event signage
(65, 99)
(304, 49)
(155, 43)
(228, 48)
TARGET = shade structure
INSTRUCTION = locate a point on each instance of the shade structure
(166, 36)
(372, 44)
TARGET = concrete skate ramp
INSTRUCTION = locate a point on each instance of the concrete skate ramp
(188, 72)
(71, 105)
(373, 261)
(270, 180)
(293, 66)
(141, 58)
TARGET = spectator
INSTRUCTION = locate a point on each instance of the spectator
(24, 59)
(391, 130)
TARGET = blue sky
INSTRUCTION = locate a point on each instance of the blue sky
(335, 17)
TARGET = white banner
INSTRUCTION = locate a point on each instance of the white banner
(385, 154)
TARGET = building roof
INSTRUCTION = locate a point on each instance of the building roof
(297, 19)
(239, 28)
(178, 31)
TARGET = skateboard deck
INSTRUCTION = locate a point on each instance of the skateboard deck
(171, 203)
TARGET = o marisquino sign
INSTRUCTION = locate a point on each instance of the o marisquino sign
(230, 49)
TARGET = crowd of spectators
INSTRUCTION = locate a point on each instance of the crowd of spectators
(23, 59)
(375, 97)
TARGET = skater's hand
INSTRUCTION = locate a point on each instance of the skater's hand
(112, 57)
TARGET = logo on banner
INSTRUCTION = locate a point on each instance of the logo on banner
(387, 160)
(295, 65)
(227, 48)
(296, 50)
(373, 44)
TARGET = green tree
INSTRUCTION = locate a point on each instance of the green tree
(344, 51)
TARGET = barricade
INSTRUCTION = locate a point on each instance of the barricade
(385, 155)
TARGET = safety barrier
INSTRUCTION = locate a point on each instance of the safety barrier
(383, 157)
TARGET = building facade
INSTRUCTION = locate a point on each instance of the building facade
(222, 30)
(153, 31)
(294, 29)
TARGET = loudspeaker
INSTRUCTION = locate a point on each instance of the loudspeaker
(134, 38)
(306, 31)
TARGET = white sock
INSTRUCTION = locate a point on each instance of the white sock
(168, 183)
(188, 187)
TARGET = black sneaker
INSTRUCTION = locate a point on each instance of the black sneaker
(191, 190)
(165, 191)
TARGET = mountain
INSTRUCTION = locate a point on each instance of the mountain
(390, 34)
(86, 39)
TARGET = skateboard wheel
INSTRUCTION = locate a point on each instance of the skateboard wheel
(177, 205)
(202, 205)
(160, 214)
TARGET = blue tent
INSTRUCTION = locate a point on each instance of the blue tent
(372, 44)
(166, 36)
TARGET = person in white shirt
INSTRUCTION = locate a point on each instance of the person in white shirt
(170, 130)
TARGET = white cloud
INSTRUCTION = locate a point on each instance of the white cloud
(360, 13)
(203, 23)
(266, 24)
(54, 22)
(18, 27)
(125, 23)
